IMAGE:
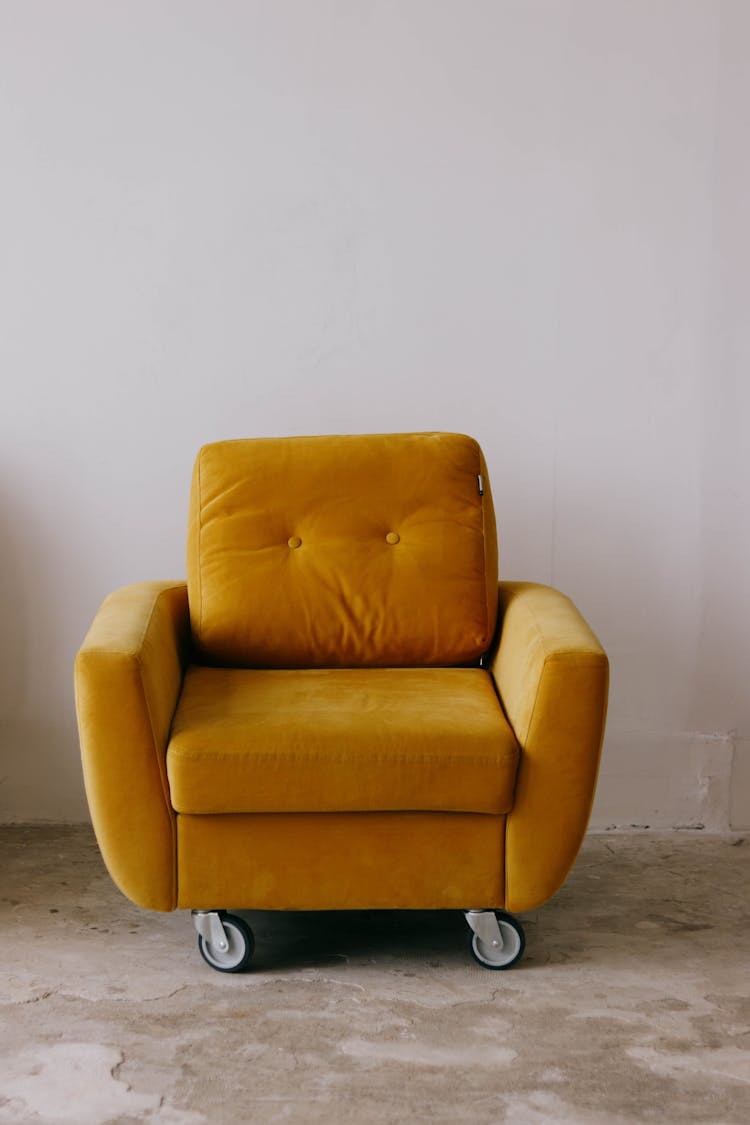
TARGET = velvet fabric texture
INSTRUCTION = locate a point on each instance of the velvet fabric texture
(553, 679)
(346, 551)
(128, 679)
(342, 861)
(340, 740)
(341, 787)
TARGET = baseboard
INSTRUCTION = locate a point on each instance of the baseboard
(665, 782)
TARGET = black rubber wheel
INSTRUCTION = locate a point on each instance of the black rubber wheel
(514, 943)
(240, 951)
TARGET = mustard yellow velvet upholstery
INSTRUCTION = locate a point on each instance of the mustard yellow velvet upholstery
(128, 678)
(552, 676)
(342, 551)
(340, 740)
(366, 773)
(341, 861)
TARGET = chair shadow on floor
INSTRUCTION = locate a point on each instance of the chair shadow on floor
(632, 901)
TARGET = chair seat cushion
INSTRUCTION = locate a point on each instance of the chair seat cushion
(335, 740)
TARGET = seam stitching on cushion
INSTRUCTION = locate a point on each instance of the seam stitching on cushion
(147, 624)
(171, 815)
(375, 810)
(540, 631)
(520, 767)
(162, 771)
(273, 756)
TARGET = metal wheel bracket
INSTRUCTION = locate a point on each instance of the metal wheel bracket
(484, 924)
(209, 925)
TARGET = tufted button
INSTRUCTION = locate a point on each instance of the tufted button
(294, 541)
(392, 537)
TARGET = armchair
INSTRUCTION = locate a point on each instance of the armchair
(341, 708)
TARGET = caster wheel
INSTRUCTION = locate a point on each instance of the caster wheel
(514, 943)
(241, 946)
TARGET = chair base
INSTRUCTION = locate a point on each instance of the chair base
(226, 942)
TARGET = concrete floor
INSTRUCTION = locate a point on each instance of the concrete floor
(632, 1003)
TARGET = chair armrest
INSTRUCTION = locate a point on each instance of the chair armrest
(128, 677)
(552, 677)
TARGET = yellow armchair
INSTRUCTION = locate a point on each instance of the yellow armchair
(342, 708)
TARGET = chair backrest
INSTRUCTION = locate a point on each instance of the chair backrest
(372, 550)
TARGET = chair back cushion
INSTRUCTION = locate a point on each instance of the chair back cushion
(347, 551)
